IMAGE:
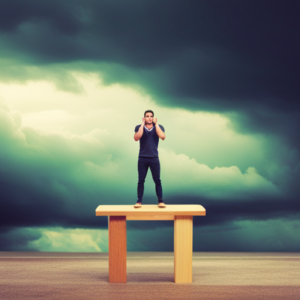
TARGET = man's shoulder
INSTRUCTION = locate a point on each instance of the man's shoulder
(137, 128)
(162, 127)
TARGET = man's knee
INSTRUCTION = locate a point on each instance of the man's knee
(157, 180)
(141, 180)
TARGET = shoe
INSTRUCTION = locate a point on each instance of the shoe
(161, 205)
(138, 204)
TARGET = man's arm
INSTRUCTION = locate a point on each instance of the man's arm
(140, 132)
(159, 132)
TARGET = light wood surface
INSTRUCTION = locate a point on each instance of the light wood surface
(150, 217)
(183, 249)
(182, 215)
(117, 249)
(151, 212)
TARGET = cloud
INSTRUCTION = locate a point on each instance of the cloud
(216, 58)
(18, 239)
(187, 176)
(71, 240)
(62, 163)
(259, 235)
(245, 236)
(56, 239)
(211, 58)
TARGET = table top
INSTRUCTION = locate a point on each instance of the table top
(151, 211)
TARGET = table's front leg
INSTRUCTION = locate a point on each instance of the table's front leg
(183, 249)
(117, 249)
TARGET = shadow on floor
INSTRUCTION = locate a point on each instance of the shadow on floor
(141, 277)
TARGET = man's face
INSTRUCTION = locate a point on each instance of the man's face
(148, 118)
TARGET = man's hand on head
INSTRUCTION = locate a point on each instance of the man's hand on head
(143, 121)
(155, 121)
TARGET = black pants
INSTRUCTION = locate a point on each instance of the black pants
(143, 165)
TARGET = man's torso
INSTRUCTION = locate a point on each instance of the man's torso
(149, 141)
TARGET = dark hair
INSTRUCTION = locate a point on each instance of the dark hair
(149, 111)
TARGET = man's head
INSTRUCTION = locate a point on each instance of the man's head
(148, 115)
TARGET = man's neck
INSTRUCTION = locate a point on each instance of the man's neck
(149, 126)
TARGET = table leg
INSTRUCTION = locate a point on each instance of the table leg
(183, 249)
(117, 248)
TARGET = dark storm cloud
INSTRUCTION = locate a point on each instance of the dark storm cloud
(220, 212)
(14, 13)
(23, 207)
(227, 55)
(15, 239)
(29, 206)
(223, 56)
(259, 208)
(38, 206)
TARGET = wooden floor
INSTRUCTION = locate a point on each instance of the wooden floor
(150, 275)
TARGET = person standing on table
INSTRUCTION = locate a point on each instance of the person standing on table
(148, 133)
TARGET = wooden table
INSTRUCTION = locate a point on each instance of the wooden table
(183, 235)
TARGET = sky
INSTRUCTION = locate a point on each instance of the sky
(222, 77)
